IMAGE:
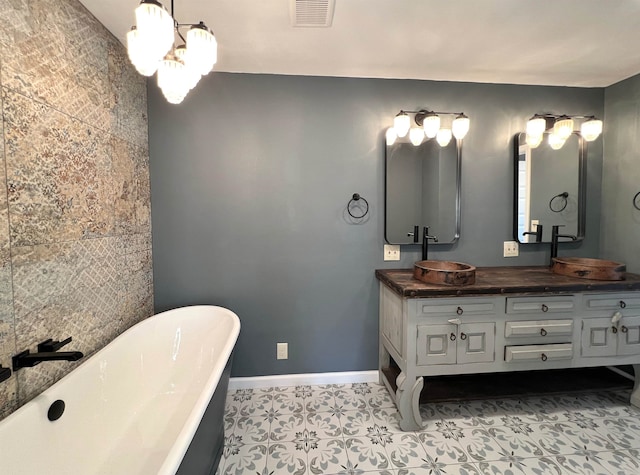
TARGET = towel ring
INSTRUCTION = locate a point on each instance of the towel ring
(636, 201)
(563, 205)
(356, 197)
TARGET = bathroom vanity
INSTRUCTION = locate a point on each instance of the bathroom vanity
(510, 319)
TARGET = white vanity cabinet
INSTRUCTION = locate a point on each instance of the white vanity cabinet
(429, 330)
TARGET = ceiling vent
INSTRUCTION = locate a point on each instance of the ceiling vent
(311, 13)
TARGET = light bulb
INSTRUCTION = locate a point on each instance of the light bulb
(416, 135)
(402, 123)
(563, 127)
(536, 126)
(591, 129)
(460, 126)
(534, 140)
(443, 137)
(202, 48)
(155, 27)
(144, 64)
(171, 80)
(556, 142)
(391, 136)
(191, 75)
(431, 124)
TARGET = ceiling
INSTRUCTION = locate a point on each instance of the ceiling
(587, 43)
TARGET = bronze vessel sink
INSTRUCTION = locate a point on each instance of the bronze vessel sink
(444, 272)
(586, 268)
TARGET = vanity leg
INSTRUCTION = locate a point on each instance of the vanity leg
(635, 394)
(408, 401)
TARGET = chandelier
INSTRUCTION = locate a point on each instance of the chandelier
(151, 48)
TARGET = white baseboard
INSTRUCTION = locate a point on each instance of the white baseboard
(279, 380)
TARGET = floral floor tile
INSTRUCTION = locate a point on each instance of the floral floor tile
(406, 451)
(548, 408)
(350, 399)
(253, 430)
(286, 457)
(257, 404)
(515, 443)
(520, 466)
(328, 456)
(458, 413)
(579, 464)
(621, 462)
(288, 403)
(480, 445)
(448, 450)
(388, 417)
(246, 459)
(550, 439)
(622, 433)
(585, 439)
(366, 456)
(356, 423)
(325, 425)
(320, 401)
(286, 427)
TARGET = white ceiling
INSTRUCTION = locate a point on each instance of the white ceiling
(589, 43)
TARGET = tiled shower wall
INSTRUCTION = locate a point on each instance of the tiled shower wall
(75, 225)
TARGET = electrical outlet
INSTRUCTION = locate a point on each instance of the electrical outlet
(282, 351)
(391, 252)
(534, 224)
(510, 249)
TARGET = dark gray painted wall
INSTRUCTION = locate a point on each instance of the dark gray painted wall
(250, 177)
(621, 180)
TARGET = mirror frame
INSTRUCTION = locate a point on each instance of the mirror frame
(458, 200)
(582, 188)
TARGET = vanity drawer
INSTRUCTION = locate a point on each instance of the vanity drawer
(428, 308)
(530, 328)
(612, 301)
(516, 305)
(541, 353)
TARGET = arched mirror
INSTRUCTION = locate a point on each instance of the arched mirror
(549, 188)
(422, 188)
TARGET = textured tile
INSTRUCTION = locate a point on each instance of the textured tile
(328, 456)
(356, 423)
(365, 456)
(55, 52)
(324, 425)
(243, 459)
(580, 464)
(287, 427)
(286, 457)
(518, 465)
(621, 462)
(253, 430)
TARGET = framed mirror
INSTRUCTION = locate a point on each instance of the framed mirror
(549, 189)
(422, 188)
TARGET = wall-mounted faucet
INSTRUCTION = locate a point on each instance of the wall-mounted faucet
(425, 243)
(537, 233)
(47, 351)
(554, 241)
(5, 373)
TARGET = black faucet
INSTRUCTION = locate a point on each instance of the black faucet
(537, 233)
(5, 373)
(425, 242)
(47, 351)
(554, 241)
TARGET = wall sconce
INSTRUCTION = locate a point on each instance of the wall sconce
(560, 128)
(428, 125)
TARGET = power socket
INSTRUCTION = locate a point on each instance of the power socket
(391, 252)
(282, 351)
(511, 249)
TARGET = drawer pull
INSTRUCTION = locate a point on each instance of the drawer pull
(622, 304)
(463, 336)
(543, 357)
(543, 332)
(545, 308)
(614, 329)
(459, 311)
(624, 329)
(452, 337)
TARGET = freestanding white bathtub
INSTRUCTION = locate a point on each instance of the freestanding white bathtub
(150, 402)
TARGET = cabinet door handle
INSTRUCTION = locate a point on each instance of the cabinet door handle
(459, 311)
(622, 304)
(452, 337)
(543, 332)
(543, 357)
(614, 329)
(545, 308)
(624, 329)
(463, 336)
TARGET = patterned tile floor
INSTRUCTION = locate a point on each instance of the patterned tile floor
(353, 429)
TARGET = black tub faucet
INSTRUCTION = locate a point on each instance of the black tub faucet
(537, 233)
(47, 351)
(425, 243)
(554, 241)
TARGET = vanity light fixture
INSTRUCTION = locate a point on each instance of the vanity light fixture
(429, 126)
(151, 49)
(560, 128)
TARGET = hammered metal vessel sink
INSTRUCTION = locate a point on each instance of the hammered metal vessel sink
(585, 268)
(444, 272)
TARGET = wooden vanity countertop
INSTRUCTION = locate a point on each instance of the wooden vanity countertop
(503, 280)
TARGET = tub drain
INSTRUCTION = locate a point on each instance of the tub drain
(56, 410)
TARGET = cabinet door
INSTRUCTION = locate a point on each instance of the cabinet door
(476, 342)
(629, 336)
(436, 344)
(598, 338)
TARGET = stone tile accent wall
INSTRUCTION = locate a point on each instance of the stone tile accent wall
(75, 220)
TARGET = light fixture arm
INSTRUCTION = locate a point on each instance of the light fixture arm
(422, 113)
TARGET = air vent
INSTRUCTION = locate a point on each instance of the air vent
(311, 13)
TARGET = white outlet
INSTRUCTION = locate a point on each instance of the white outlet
(534, 224)
(511, 249)
(391, 252)
(282, 351)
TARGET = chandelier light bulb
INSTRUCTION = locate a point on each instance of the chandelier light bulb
(534, 140)
(536, 126)
(443, 137)
(202, 48)
(391, 136)
(171, 80)
(460, 126)
(416, 135)
(402, 123)
(556, 142)
(563, 127)
(431, 125)
(155, 29)
(144, 64)
(591, 129)
(191, 75)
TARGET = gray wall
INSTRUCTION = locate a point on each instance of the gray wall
(250, 178)
(620, 233)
